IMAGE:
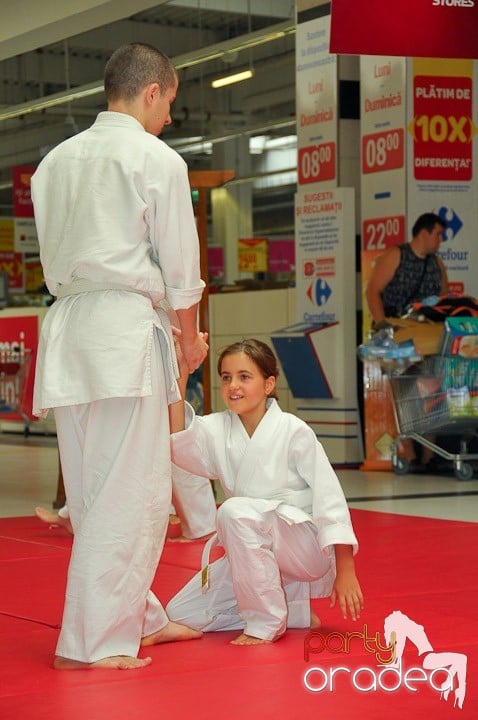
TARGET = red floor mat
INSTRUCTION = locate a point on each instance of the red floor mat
(420, 567)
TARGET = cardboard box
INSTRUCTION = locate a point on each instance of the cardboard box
(425, 335)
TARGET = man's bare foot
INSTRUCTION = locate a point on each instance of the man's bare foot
(54, 519)
(314, 620)
(244, 639)
(118, 662)
(172, 632)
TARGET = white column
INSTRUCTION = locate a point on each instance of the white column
(232, 205)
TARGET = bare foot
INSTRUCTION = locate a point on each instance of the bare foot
(53, 519)
(314, 620)
(172, 632)
(118, 662)
(244, 639)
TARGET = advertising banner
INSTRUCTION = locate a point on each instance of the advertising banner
(383, 183)
(252, 255)
(324, 263)
(12, 264)
(282, 256)
(7, 234)
(409, 28)
(323, 341)
(442, 159)
(383, 171)
(22, 199)
(316, 103)
(215, 263)
(322, 344)
(26, 238)
(17, 336)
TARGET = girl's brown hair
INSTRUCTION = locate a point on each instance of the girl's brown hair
(257, 351)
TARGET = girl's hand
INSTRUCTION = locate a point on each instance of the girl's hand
(348, 594)
(346, 590)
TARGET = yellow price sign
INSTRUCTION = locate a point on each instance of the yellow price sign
(252, 255)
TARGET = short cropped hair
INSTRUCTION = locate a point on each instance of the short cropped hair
(427, 222)
(132, 67)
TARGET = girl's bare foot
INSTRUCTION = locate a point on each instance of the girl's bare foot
(244, 639)
(314, 620)
(54, 519)
(172, 632)
(118, 662)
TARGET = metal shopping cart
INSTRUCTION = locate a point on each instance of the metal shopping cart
(14, 368)
(436, 397)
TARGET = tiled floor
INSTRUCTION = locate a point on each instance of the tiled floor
(29, 471)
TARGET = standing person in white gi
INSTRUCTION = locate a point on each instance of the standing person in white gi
(117, 235)
(284, 525)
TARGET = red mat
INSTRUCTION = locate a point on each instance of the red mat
(424, 568)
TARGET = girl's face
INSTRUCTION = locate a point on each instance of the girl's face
(244, 389)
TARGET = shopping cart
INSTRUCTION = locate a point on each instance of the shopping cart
(436, 397)
(14, 368)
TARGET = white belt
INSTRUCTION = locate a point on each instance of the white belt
(205, 561)
(80, 286)
(162, 323)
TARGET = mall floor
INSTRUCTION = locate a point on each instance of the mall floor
(29, 471)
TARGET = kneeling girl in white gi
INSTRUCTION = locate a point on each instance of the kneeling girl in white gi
(284, 523)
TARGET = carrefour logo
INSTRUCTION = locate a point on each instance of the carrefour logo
(453, 222)
(453, 3)
(319, 292)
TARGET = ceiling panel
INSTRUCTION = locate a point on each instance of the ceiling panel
(183, 29)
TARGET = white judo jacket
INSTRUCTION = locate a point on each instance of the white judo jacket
(112, 206)
(282, 462)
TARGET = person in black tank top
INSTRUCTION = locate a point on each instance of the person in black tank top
(402, 275)
(408, 273)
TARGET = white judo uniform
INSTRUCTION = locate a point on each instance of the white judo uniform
(193, 500)
(284, 510)
(117, 234)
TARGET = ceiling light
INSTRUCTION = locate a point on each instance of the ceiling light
(257, 144)
(286, 141)
(234, 78)
(60, 98)
(203, 55)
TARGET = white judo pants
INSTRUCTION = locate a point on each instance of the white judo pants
(115, 455)
(262, 584)
(193, 501)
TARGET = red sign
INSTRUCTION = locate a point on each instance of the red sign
(442, 128)
(22, 199)
(316, 163)
(382, 233)
(215, 263)
(281, 256)
(12, 264)
(410, 28)
(382, 151)
(18, 334)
